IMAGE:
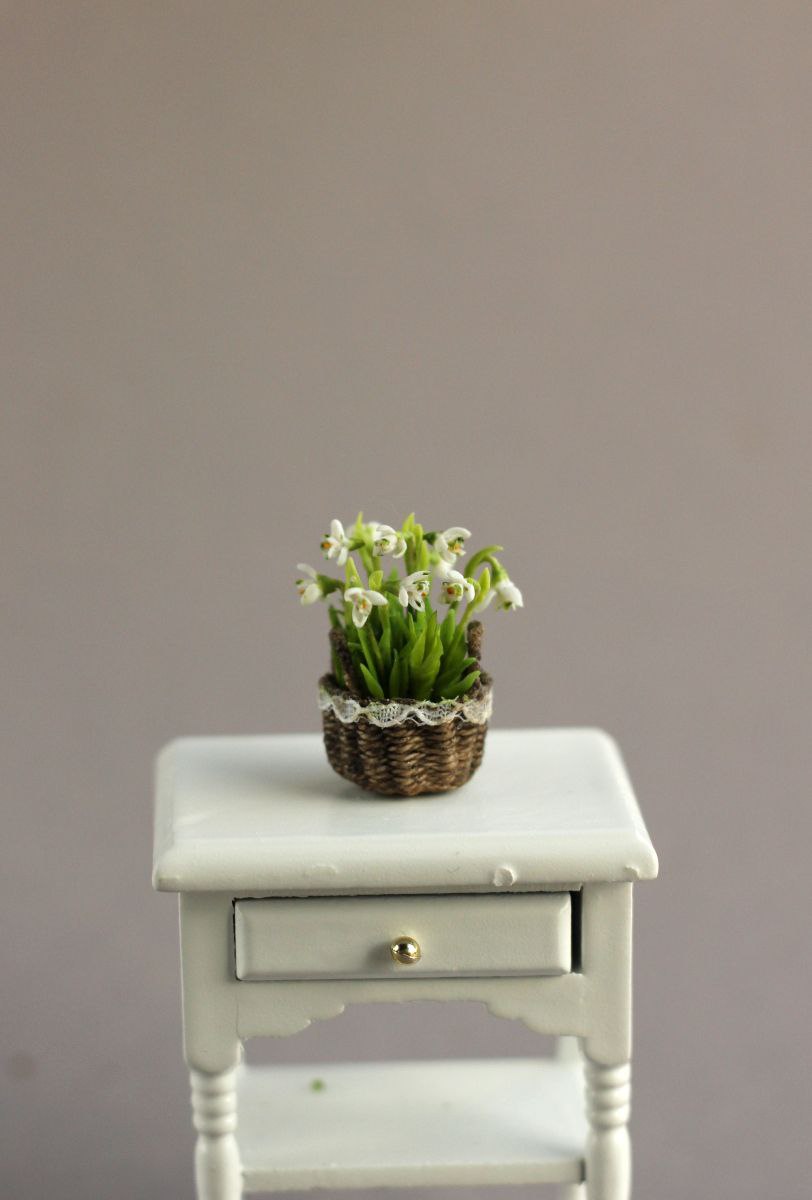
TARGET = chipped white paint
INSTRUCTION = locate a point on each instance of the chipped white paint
(318, 877)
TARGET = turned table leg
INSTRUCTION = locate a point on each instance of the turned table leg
(217, 1160)
(608, 1152)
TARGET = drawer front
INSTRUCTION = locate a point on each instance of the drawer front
(353, 937)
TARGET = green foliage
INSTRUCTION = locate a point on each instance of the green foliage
(410, 656)
(371, 681)
(406, 652)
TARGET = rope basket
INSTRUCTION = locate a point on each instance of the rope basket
(404, 747)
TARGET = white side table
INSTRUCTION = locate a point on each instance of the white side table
(300, 894)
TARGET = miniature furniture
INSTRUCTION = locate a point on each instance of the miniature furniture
(300, 894)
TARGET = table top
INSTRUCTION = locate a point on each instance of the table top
(267, 815)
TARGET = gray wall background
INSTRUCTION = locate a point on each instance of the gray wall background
(539, 268)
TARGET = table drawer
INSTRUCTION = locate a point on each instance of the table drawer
(354, 937)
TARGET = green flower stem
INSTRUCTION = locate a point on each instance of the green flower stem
(482, 556)
(467, 613)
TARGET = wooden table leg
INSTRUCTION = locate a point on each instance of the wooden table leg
(217, 1160)
(608, 1153)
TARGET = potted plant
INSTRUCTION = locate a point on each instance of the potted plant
(405, 707)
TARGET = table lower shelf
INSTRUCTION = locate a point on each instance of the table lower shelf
(406, 1124)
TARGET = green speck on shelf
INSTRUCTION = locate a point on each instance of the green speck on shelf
(317, 1085)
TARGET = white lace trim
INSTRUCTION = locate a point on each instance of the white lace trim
(389, 712)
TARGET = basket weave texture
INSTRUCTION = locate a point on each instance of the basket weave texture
(409, 758)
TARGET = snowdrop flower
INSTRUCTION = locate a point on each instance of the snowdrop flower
(509, 595)
(362, 600)
(454, 586)
(414, 589)
(386, 540)
(336, 544)
(450, 544)
(309, 589)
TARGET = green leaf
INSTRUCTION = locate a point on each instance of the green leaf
(404, 675)
(447, 629)
(394, 680)
(459, 689)
(425, 678)
(417, 650)
(397, 623)
(452, 659)
(385, 646)
(417, 544)
(338, 670)
(356, 656)
(371, 649)
(373, 687)
(375, 581)
(381, 614)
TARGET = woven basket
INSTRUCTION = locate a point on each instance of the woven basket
(429, 748)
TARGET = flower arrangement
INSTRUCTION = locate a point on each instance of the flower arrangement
(406, 706)
(398, 645)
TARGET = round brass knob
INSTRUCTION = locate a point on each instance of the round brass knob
(405, 950)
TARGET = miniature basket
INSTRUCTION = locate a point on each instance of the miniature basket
(404, 747)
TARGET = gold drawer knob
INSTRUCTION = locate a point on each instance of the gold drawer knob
(405, 950)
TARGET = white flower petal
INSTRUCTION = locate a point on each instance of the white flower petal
(337, 529)
(311, 594)
(509, 594)
(403, 596)
(376, 598)
(456, 531)
(352, 593)
(342, 555)
(359, 617)
(307, 570)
